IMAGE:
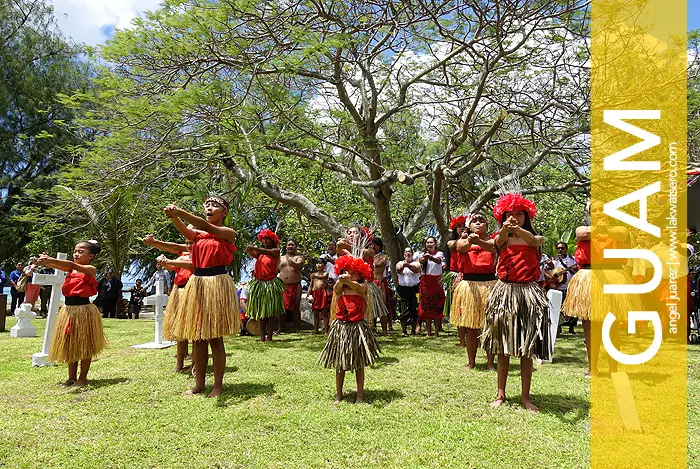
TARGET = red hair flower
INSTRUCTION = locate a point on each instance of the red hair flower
(511, 202)
(354, 264)
(460, 220)
(270, 235)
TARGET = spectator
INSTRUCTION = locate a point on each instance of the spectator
(15, 293)
(31, 294)
(568, 264)
(3, 280)
(45, 293)
(136, 300)
(159, 274)
(109, 291)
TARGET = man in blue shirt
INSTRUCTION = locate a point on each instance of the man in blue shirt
(17, 297)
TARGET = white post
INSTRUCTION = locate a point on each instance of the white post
(555, 297)
(158, 301)
(24, 327)
(56, 282)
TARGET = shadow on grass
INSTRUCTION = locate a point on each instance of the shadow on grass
(384, 361)
(99, 383)
(239, 392)
(569, 409)
(381, 397)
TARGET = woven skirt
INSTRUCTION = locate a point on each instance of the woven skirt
(517, 321)
(265, 298)
(447, 279)
(78, 334)
(469, 303)
(350, 346)
(577, 303)
(207, 309)
(376, 303)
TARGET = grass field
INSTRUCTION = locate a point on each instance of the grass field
(423, 409)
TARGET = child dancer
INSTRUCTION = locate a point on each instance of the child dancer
(207, 309)
(451, 279)
(265, 288)
(432, 294)
(517, 311)
(183, 269)
(478, 278)
(78, 334)
(317, 295)
(351, 344)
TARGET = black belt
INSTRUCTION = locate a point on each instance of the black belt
(184, 284)
(209, 271)
(77, 300)
(479, 277)
(585, 266)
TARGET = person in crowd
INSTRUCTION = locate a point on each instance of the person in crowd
(110, 292)
(432, 293)
(290, 273)
(159, 274)
(138, 293)
(408, 272)
(318, 297)
(16, 291)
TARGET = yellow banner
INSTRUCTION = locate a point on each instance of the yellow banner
(638, 217)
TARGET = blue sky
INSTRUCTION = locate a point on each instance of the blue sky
(693, 14)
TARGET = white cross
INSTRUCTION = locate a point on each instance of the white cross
(56, 281)
(159, 300)
(554, 297)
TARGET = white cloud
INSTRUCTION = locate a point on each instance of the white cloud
(93, 21)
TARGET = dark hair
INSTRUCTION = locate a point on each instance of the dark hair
(527, 225)
(321, 260)
(561, 242)
(292, 240)
(378, 242)
(139, 280)
(430, 237)
(92, 246)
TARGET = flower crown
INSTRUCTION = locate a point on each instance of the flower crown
(219, 200)
(354, 264)
(270, 235)
(511, 202)
(460, 220)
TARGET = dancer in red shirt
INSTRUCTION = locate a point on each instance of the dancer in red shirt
(208, 307)
(478, 268)
(265, 290)
(517, 311)
(78, 334)
(183, 268)
(351, 345)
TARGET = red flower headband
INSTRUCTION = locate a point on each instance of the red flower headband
(511, 202)
(270, 235)
(354, 264)
(368, 234)
(460, 220)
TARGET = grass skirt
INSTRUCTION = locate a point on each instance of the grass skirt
(207, 309)
(351, 346)
(469, 303)
(618, 304)
(517, 321)
(448, 280)
(265, 298)
(376, 305)
(170, 318)
(78, 334)
(577, 303)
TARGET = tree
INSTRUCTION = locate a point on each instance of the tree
(449, 99)
(35, 129)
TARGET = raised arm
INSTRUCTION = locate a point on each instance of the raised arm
(529, 238)
(173, 212)
(296, 261)
(174, 248)
(256, 251)
(66, 265)
(172, 264)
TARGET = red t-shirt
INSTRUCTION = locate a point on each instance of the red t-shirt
(351, 308)
(210, 251)
(478, 261)
(79, 284)
(519, 263)
(183, 275)
(265, 267)
(455, 261)
(582, 254)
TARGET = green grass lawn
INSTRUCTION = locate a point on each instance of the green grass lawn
(423, 409)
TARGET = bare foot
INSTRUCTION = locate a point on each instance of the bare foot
(338, 399)
(68, 382)
(215, 392)
(529, 405)
(498, 402)
(81, 383)
(470, 366)
(194, 390)
(460, 345)
(492, 368)
(359, 400)
(262, 339)
(184, 370)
